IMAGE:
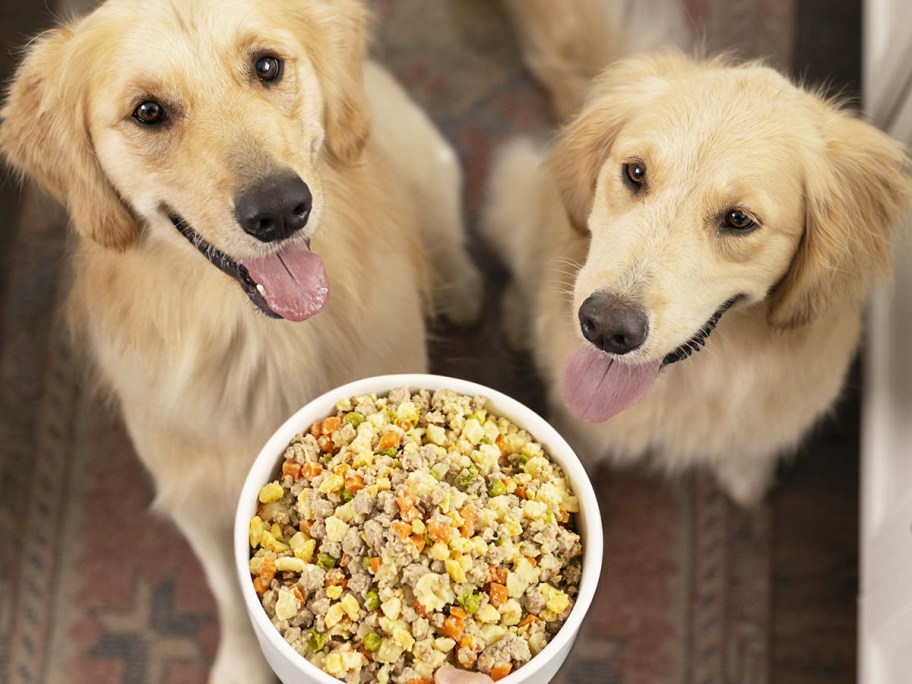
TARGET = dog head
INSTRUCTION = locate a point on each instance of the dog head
(198, 123)
(703, 186)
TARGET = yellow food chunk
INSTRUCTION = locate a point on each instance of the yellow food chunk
(492, 633)
(555, 600)
(487, 613)
(444, 644)
(335, 529)
(473, 431)
(439, 551)
(255, 530)
(286, 564)
(334, 591)
(306, 552)
(389, 651)
(403, 638)
(350, 606)
(334, 615)
(270, 492)
(332, 483)
(286, 605)
(436, 435)
(433, 591)
(510, 612)
(455, 570)
(392, 607)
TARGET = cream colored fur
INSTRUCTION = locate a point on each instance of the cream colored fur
(203, 378)
(826, 189)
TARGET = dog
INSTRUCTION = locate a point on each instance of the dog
(695, 205)
(252, 201)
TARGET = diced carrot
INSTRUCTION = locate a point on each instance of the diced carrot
(501, 670)
(532, 561)
(310, 470)
(335, 577)
(497, 574)
(562, 514)
(316, 430)
(438, 531)
(465, 655)
(331, 424)
(420, 609)
(420, 681)
(259, 585)
(497, 594)
(374, 564)
(453, 626)
(520, 492)
(458, 612)
(501, 444)
(291, 468)
(469, 516)
(297, 594)
(405, 502)
(325, 443)
(342, 469)
(304, 526)
(354, 483)
(362, 649)
(268, 569)
(401, 529)
(389, 440)
(418, 541)
(529, 619)
(404, 425)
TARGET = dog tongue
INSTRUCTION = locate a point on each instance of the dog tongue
(597, 386)
(294, 279)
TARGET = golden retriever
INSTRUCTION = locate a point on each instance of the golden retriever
(202, 148)
(689, 198)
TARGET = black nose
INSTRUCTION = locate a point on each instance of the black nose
(274, 207)
(612, 324)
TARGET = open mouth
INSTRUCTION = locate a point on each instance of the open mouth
(597, 386)
(290, 283)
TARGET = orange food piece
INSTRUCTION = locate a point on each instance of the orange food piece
(268, 569)
(354, 483)
(402, 529)
(420, 681)
(465, 656)
(453, 626)
(420, 609)
(532, 561)
(325, 443)
(469, 517)
(259, 585)
(335, 577)
(520, 492)
(563, 515)
(297, 594)
(389, 440)
(405, 502)
(374, 564)
(304, 526)
(458, 612)
(404, 425)
(497, 574)
(497, 594)
(331, 424)
(501, 444)
(438, 531)
(316, 430)
(529, 619)
(310, 470)
(418, 541)
(501, 670)
(291, 468)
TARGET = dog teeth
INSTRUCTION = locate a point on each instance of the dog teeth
(261, 290)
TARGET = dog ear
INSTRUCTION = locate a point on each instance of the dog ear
(338, 41)
(583, 145)
(44, 135)
(856, 189)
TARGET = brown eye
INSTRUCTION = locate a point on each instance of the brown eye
(635, 173)
(739, 221)
(149, 113)
(268, 68)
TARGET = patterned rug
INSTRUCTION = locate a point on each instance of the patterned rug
(95, 589)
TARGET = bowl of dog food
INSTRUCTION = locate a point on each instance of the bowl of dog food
(405, 523)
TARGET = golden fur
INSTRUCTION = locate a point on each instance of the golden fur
(827, 190)
(201, 376)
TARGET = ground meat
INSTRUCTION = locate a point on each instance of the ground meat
(510, 648)
(534, 600)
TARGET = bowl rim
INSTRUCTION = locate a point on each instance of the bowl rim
(543, 432)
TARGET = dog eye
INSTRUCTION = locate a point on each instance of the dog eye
(149, 113)
(268, 68)
(739, 221)
(635, 173)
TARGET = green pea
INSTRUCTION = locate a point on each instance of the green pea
(366, 563)
(391, 452)
(521, 462)
(372, 641)
(317, 640)
(497, 488)
(325, 561)
(347, 496)
(372, 600)
(470, 600)
(353, 418)
(466, 476)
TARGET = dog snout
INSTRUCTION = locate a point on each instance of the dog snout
(612, 324)
(275, 207)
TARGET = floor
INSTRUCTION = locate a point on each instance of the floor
(815, 505)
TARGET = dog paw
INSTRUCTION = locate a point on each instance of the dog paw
(460, 301)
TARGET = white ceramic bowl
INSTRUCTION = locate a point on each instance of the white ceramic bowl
(293, 668)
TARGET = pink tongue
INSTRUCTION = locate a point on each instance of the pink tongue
(597, 386)
(294, 279)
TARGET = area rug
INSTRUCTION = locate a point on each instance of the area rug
(95, 589)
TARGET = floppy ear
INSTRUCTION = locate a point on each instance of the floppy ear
(339, 36)
(856, 189)
(583, 145)
(44, 135)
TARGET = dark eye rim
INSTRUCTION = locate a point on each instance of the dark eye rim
(738, 227)
(161, 119)
(629, 175)
(279, 68)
